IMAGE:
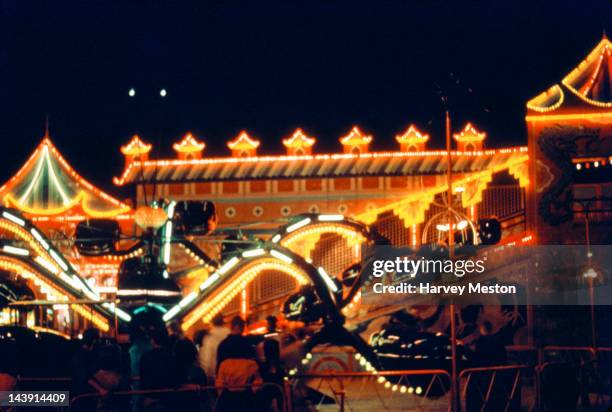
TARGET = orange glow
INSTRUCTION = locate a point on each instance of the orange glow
(79, 199)
(304, 240)
(149, 217)
(355, 138)
(189, 145)
(411, 209)
(51, 291)
(243, 142)
(83, 192)
(243, 303)
(299, 140)
(581, 80)
(606, 116)
(135, 147)
(215, 303)
(547, 101)
(284, 158)
(412, 136)
(469, 134)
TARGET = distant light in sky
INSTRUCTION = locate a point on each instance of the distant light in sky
(163, 93)
(132, 92)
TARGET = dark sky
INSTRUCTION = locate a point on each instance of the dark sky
(269, 67)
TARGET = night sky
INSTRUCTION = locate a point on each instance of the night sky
(270, 67)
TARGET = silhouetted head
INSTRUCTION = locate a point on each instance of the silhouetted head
(218, 320)
(237, 325)
(272, 321)
(91, 336)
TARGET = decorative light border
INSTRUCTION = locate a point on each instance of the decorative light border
(412, 135)
(355, 138)
(469, 134)
(51, 291)
(243, 142)
(535, 103)
(299, 139)
(603, 48)
(138, 165)
(412, 208)
(47, 256)
(47, 149)
(189, 144)
(135, 147)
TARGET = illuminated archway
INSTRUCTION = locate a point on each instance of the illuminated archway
(235, 273)
(302, 235)
(238, 281)
(52, 290)
(32, 254)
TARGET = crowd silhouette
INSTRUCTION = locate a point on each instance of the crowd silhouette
(218, 370)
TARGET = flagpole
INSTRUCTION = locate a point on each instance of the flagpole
(451, 241)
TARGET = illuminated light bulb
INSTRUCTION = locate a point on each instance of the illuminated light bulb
(387, 384)
(132, 92)
(590, 273)
(253, 252)
(163, 92)
(309, 355)
(328, 281)
(13, 218)
(394, 388)
(357, 356)
(442, 227)
(596, 164)
(418, 390)
(362, 361)
(578, 166)
(298, 225)
(304, 361)
(402, 389)
(410, 389)
(462, 225)
(380, 379)
(281, 256)
(330, 218)
(15, 250)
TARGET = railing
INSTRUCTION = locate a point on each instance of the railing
(550, 377)
(494, 388)
(424, 390)
(174, 399)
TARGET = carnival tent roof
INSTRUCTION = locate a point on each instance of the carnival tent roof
(586, 85)
(47, 185)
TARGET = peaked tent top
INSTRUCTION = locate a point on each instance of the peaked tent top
(590, 82)
(47, 185)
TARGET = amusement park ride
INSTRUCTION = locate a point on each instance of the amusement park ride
(164, 275)
(149, 284)
(72, 256)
